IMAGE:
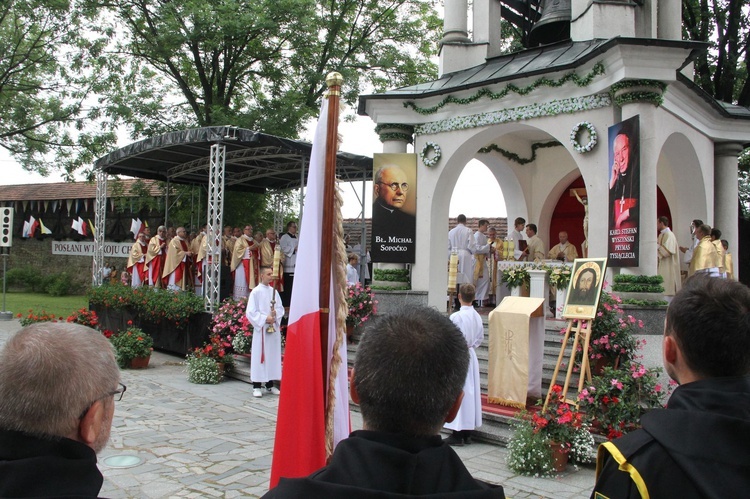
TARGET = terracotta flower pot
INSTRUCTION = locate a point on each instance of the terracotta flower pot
(559, 456)
(599, 364)
(139, 362)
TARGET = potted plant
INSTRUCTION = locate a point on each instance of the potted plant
(202, 370)
(616, 400)
(515, 278)
(362, 306)
(217, 349)
(133, 347)
(545, 440)
(231, 325)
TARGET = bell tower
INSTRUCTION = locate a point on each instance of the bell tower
(549, 21)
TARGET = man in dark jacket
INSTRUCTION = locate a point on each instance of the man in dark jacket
(408, 379)
(58, 385)
(697, 446)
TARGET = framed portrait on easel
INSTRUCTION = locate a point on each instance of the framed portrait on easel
(585, 287)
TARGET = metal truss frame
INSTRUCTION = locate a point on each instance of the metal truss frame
(214, 217)
(100, 225)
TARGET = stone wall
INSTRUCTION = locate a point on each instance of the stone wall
(38, 254)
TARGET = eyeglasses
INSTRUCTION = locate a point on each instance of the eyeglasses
(120, 391)
(395, 186)
(117, 394)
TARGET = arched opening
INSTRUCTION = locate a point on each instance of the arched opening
(569, 213)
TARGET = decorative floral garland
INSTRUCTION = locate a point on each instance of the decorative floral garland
(640, 92)
(552, 108)
(437, 153)
(593, 138)
(406, 133)
(580, 81)
(405, 137)
(515, 157)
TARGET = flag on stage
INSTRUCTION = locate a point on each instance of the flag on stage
(34, 226)
(29, 227)
(93, 229)
(44, 228)
(300, 443)
(135, 227)
(79, 225)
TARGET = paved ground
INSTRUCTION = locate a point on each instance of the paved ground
(217, 441)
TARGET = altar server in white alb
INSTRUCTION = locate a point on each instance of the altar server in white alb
(469, 416)
(265, 359)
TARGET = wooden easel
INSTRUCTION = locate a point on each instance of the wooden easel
(581, 328)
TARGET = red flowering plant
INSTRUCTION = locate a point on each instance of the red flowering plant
(530, 447)
(559, 421)
(216, 349)
(232, 325)
(612, 339)
(34, 317)
(85, 318)
(131, 343)
(362, 304)
(616, 400)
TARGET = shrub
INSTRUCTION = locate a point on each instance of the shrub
(202, 370)
(58, 284)
(629, 283)
(27, 278)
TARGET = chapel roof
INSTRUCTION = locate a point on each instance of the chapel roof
(561, 56)
(73, 190)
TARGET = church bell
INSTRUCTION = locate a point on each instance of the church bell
(553, 24)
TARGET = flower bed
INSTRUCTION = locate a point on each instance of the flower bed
(175, 321)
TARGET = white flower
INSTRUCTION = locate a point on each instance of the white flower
(582, 149)
(436, 154)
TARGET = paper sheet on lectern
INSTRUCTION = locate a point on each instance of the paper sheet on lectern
(516, 344)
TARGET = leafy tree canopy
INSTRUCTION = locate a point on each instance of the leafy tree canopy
(72, 74)
(258, 65)
(46, 86)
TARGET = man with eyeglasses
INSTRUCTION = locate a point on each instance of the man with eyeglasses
(58, 387)
(393, 230)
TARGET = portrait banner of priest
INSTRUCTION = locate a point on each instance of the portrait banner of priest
(624, 193)
(585, 287)
(394, 206)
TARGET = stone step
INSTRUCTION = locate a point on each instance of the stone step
(495, 427)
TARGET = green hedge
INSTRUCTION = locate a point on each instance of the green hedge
(391, 275)
(638, 279)
(31, 279)
(630, 283)
(645, 303)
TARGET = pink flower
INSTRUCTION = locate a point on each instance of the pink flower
(616, 383)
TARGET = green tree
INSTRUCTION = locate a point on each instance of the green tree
(258, 65)
(46, 86)
(723, 24)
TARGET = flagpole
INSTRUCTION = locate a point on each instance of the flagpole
(333, 80)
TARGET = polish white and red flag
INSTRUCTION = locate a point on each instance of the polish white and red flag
(300, 444)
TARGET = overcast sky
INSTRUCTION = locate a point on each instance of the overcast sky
(476, 193)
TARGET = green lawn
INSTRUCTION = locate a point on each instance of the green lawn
(61, 306)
